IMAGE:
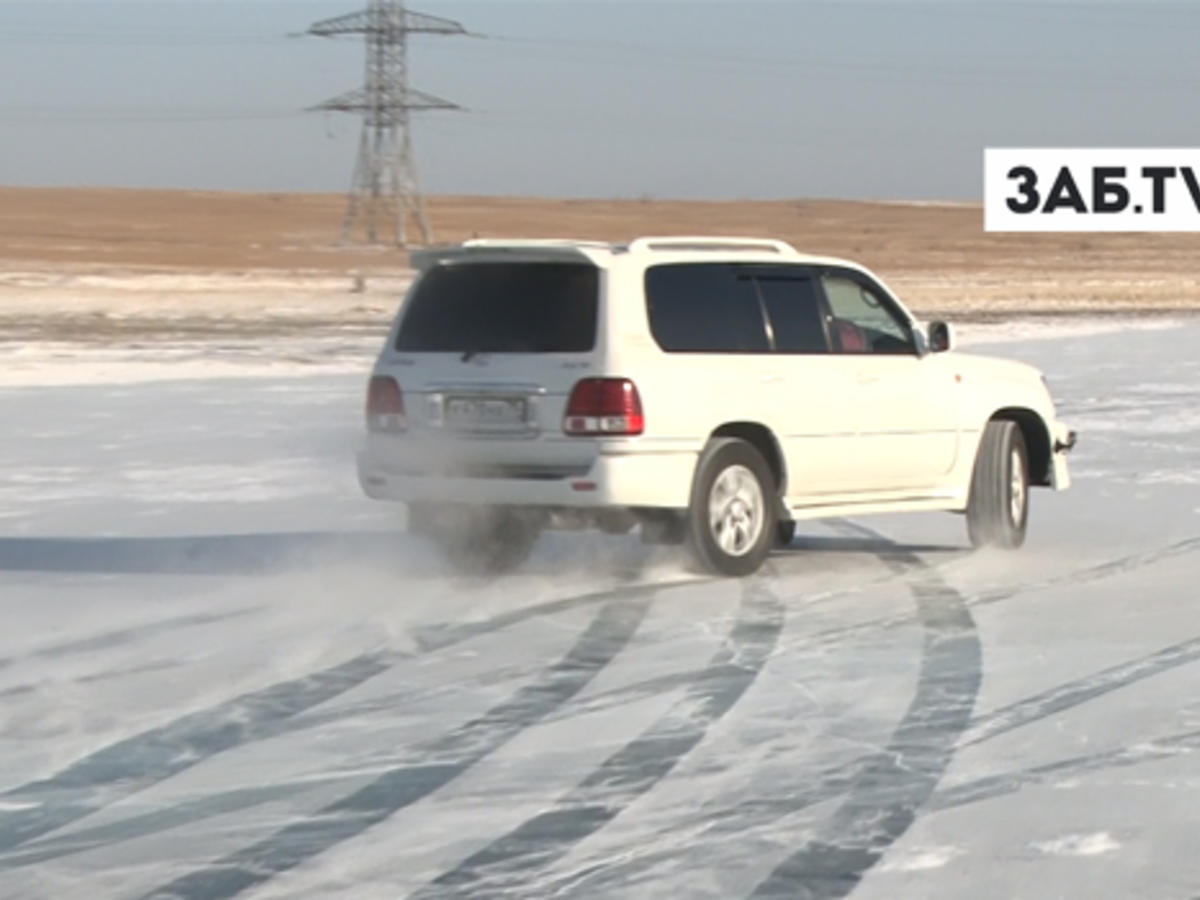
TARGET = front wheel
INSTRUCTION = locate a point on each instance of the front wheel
(998, 508)
(731, 519)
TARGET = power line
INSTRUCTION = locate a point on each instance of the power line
(134, 39)
(1012, 71)
(52, 115)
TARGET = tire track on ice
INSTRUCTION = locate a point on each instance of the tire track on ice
(991, 786)
(830, 869)
(135, 763)
(882, 791)
(842, 780)
(507, 864)
(454, 753)
(1109, 569)
(188, 812)
(122, 636)
(890, 786)
(1083, 690)
(1060, 699)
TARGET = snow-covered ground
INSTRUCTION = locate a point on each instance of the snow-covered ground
(223, 672)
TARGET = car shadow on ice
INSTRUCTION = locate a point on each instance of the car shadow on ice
(275, 552)
(219, 554)
(806, 544)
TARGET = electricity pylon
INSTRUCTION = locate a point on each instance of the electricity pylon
(385, 173)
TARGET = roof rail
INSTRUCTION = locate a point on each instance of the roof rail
(678, 242)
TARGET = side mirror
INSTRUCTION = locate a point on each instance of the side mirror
(941, 337)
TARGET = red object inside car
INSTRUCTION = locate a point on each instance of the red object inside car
(850, 336)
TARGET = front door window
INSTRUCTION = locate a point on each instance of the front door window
(862, 321)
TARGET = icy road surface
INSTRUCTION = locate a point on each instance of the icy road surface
(223, 673)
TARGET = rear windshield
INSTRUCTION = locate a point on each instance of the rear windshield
(502, 308)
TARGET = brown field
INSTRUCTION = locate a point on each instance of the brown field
(937, 257)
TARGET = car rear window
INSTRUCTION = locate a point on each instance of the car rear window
(502, 308)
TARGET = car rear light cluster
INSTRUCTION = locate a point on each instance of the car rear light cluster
(604, 406)
(385, 405)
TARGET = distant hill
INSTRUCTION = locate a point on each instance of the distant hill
(936, 256)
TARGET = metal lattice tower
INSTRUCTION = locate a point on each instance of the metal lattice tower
(385, 174)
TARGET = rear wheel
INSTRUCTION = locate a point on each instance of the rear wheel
(479, 541)
(731, 522)
(998, 508)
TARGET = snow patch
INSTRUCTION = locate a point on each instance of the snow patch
(1094, 844)
(16, 806)
(921, 859)
(1045, 328)
(58, 364)
(939, 204)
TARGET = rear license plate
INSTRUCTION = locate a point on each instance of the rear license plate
(485, 412)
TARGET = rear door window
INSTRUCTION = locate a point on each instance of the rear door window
(502, 308)
(704, 308)
(734, 308)
(793, 306)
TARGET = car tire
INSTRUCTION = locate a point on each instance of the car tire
(487, 541)
(731, 520)
(998, 507)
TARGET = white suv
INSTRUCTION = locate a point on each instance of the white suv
(711, 390)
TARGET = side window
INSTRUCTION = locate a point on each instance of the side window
(790, 299)
(704, 308)
(861, 320)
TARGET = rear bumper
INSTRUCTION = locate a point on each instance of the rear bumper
(623, 480)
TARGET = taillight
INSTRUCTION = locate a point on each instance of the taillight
(604, 406)
(385, 404)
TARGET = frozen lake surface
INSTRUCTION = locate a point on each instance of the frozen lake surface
(225, 673)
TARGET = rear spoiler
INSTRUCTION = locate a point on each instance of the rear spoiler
(503, 251)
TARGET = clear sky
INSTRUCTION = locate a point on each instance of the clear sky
(887, 100)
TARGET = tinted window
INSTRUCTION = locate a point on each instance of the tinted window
(791, 302)
(863, 322)
(502, 308)
(704, 307)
